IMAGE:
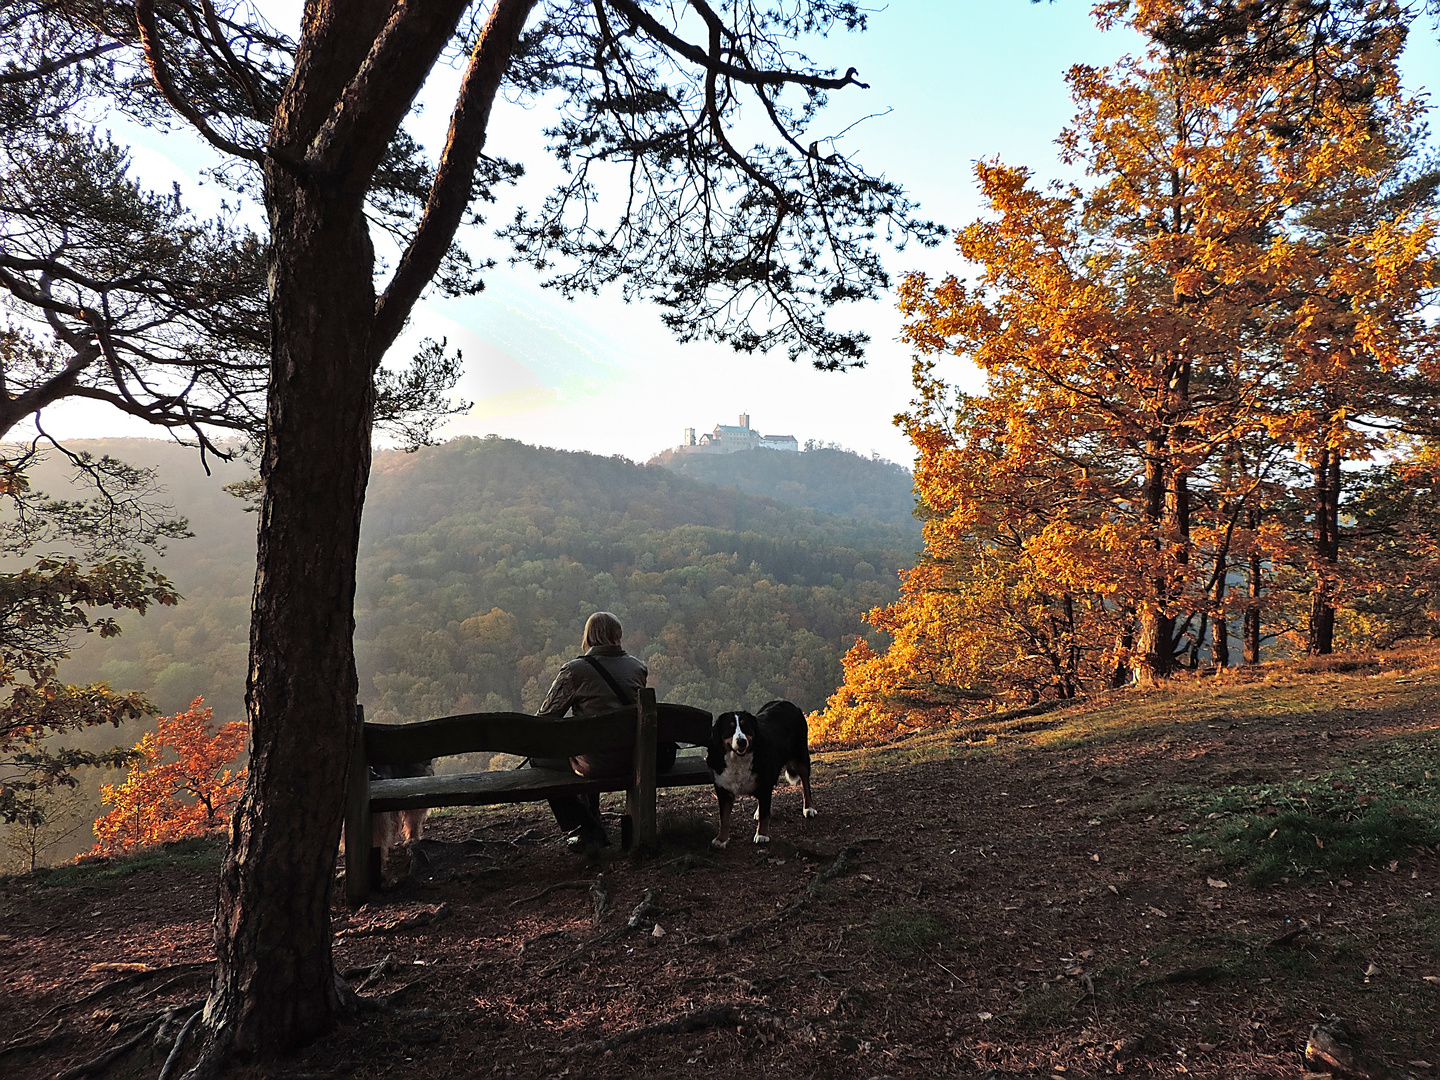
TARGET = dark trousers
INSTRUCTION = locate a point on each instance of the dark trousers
(575, 814)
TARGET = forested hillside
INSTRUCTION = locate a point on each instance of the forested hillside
(824, 478)
(479, 563)
(482, 559)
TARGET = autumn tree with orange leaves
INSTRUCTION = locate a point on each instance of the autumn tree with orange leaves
(181, 784)
(1178, 358)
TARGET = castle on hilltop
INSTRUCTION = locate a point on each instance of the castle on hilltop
(728, 438)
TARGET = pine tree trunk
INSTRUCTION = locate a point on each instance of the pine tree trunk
(272, 920)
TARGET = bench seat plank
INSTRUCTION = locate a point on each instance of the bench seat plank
(516, 785)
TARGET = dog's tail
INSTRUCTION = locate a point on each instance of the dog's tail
(790, 776)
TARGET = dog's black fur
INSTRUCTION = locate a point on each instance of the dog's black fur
(748, 754)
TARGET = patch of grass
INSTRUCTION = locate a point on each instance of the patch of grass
(1044, 1008)
(902, 934)
(199, 853)
(1345, 821)
(684, 829)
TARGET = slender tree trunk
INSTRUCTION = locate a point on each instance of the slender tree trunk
(1199, 643)
(1255, 587)
(1321, 638)
(272, 921)
(1072, 649)
(1155, 645)
(1124, 647)
(1220, 635)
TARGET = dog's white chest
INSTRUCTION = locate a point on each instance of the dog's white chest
(738, 775)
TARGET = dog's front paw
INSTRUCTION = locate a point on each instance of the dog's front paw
(720, 844)
(761, 838)
(810, 811)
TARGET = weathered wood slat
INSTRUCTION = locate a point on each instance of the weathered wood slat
(515, 785)
(640, 799)
(526, 735)
(358, 827)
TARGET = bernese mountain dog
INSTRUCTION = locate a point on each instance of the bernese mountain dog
(749, 753)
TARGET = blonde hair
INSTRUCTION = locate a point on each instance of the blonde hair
(602, 628)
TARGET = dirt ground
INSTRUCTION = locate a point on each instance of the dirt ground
(1022, 901)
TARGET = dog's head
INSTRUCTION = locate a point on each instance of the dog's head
(735, 732)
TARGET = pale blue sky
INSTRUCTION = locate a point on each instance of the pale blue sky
(963, 80)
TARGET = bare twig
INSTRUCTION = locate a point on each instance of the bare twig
(550, 889)
(645, 911)
(699, 1020)
(529, 943)
(382, 967)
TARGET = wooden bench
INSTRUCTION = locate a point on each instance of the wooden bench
(642, 726)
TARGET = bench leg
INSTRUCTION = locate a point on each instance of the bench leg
(627, 832)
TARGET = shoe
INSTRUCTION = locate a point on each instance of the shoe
(584, 839)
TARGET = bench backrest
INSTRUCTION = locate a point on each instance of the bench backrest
(526, 735)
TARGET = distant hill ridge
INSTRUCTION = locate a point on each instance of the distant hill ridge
(481, 558)
(827, 479)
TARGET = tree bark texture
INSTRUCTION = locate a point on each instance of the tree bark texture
(357, 69)
(273, 920)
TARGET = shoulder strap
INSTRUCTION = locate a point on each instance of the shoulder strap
(625, 698)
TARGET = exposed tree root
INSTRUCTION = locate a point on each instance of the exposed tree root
(644, 914)
(687, 863)
(129, 980)
(173, 1058)
(641, 918)
(699, 1020)
(155, 991)
(100, 1061)
(15, 1046)
(835, 869)
(601, 898)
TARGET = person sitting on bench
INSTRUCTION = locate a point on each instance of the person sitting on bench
(601, 680)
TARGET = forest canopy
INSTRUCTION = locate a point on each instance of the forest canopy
(1208, 427)
(480, 561)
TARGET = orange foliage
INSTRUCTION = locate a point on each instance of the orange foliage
(190, 794)
(1170, 356)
